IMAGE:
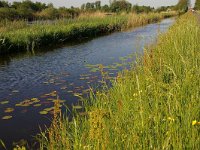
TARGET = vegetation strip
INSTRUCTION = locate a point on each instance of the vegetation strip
(155, 105)
(32, 37)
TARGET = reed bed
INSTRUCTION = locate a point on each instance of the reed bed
(6, 25)
(155, 105)
(38, 35)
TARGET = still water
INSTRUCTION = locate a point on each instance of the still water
(28, 81)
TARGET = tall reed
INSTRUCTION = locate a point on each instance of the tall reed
(38, 35)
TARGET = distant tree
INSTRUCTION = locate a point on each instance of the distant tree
(105, 8)
(50, 5)
(27, 9)
(88, 6)
(120, 5)
(4, 4)
(8, 13)
(182, 6)
(48, 13)
(92, 5)
(63, 12)
(83, 7)
(40, 6)
(73, 12)
(197, 5)
(164, 8)
(15, 5)
(25, 5)
(67, 12)
(98, 5)
(142, 9)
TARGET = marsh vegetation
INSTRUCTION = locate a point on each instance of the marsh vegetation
(154, 105)
(18, 36)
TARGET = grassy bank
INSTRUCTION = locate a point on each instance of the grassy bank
(153, 106)
(18, 36)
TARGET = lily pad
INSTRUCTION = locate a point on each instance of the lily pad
(9, 110)
(91, 66)
(28, 102)
(6, 117)
(78, 94)
(48, 109)
(4, 102)
(37, 105)
(43, 112)
(63, 88)
(53, 94)
(51, 99)
(94, 70)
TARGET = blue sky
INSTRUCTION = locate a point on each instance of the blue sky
(77, 3)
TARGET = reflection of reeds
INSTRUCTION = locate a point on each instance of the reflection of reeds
(153, 106)
(2, 144)
(20, 36)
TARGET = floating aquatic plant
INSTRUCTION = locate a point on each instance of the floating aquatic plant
(43, 112)
(4, 102)
(9, 110)
(27, 102)
(6, 117)
(37, 105)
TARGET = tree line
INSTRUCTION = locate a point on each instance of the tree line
(37, 10)
(33, 11)
(197, 5)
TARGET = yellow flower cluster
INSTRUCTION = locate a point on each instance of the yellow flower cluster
(170, 119)
(195, 122)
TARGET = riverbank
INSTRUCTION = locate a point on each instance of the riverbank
(154, 105)
(69, 70)
(44, 35)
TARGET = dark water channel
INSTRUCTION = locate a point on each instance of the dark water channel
(28, 81)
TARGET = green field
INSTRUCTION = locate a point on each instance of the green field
(18, 36)
(155, 105)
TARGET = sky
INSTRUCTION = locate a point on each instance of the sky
(77, 3)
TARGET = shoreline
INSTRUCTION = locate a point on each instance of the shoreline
(44, 36)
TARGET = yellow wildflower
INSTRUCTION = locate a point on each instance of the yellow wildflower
(170, 119)
(194, 122)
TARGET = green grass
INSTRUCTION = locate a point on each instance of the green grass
(152, 106)
(35, 36)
